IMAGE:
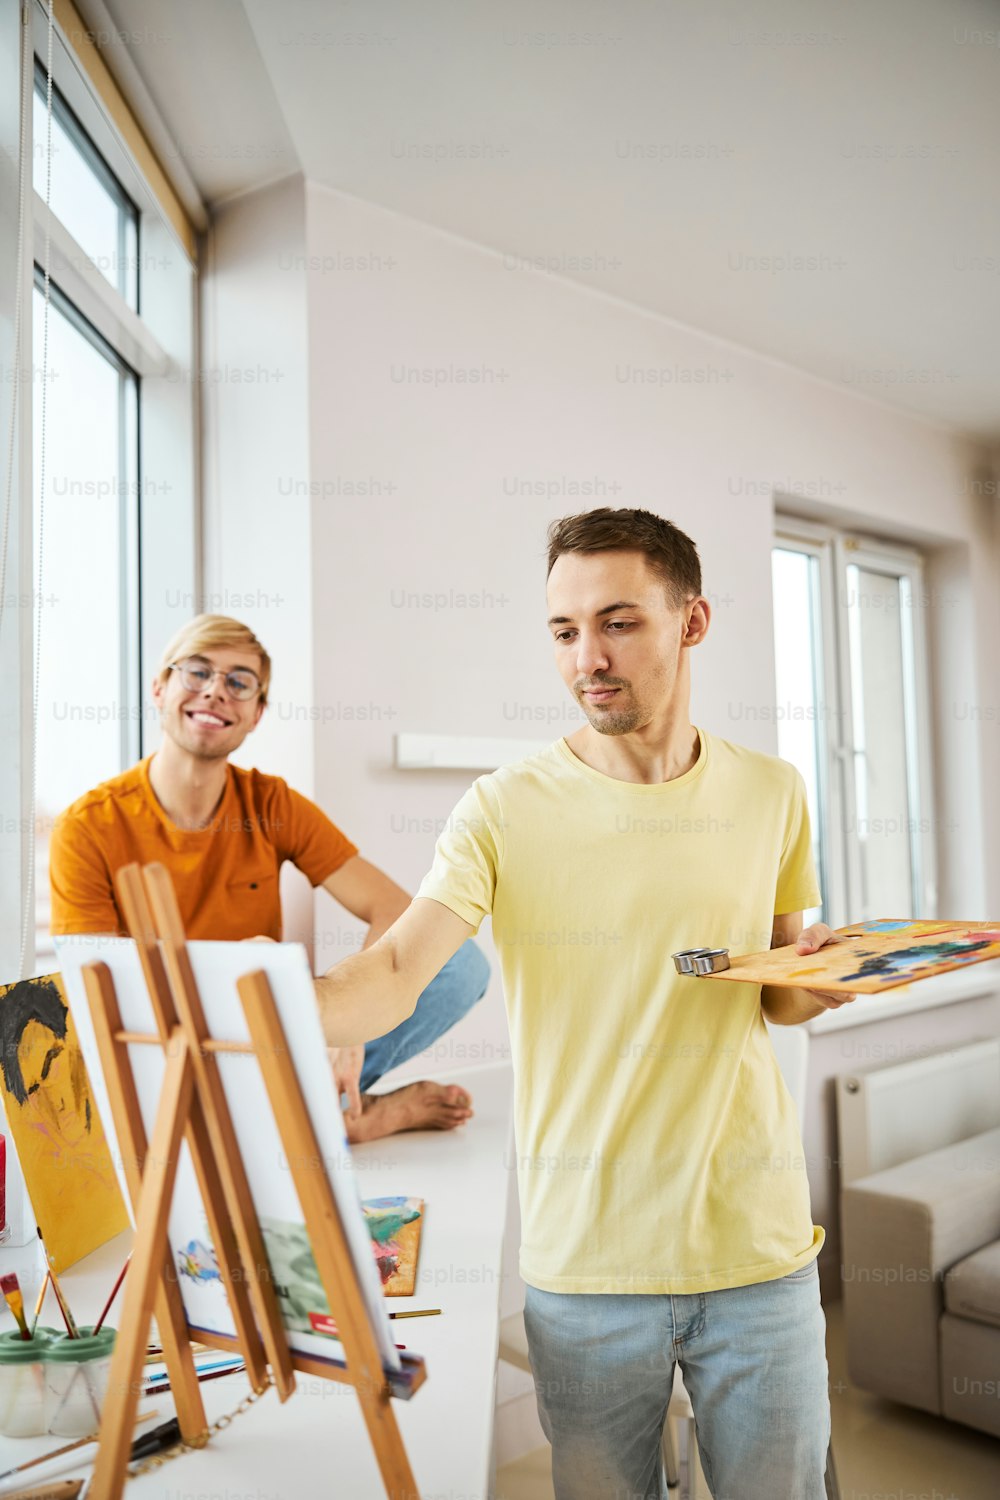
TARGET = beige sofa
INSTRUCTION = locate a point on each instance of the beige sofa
(921, 1275)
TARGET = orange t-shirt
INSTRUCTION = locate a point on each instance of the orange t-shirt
(225, 875)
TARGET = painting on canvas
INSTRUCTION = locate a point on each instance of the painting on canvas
(55, 1123)
(216, 968)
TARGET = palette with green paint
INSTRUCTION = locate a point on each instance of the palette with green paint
(870, 957)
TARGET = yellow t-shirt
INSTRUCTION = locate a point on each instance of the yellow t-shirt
(658, 1149)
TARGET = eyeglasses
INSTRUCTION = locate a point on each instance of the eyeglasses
(196, 674)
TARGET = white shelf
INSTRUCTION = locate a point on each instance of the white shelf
(461, 752)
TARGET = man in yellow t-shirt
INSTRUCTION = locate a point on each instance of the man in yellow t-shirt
(664, 1201)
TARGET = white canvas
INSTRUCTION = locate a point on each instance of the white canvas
(216, 967)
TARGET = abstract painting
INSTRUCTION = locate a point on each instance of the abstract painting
(56, 1129)
(873, 956)
(395, 1224)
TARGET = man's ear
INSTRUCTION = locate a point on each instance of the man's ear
(257, 717)
(698, 621)
(158, 689)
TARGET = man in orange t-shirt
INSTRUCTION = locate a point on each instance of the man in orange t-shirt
(223, 833)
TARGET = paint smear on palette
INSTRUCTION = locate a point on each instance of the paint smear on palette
(905, 924)
(394, 1224)
(52, 1116)
(930, 957)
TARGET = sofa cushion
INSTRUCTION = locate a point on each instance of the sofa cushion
(972, 1286)
(902, 1230)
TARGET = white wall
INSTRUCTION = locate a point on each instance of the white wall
(564, 410)
(526, 382)
(257, 535)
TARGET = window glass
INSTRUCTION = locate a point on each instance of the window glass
(875, 603)
(85, 197)
(799, 709)
(83, 726)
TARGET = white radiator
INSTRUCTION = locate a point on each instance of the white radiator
(889, 1114)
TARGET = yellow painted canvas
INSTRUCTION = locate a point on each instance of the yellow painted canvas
(53, 1120)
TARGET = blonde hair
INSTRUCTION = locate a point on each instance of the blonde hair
(205, 631)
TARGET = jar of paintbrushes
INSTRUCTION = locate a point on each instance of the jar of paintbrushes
(53, 1383)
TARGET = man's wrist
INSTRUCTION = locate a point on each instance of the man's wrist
(787, 1005)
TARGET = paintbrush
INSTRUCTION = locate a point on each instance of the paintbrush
(15, 1301)
(43, 1458)
(38, 1305)
(114, 1293)
(59, 1489)
(67, 1316)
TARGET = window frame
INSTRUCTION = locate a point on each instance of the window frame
(836, 549)
(129, 213)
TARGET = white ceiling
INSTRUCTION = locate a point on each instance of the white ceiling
(665, 153)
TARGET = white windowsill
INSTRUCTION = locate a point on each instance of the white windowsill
(974, 983)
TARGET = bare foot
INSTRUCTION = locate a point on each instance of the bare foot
(415, 1106)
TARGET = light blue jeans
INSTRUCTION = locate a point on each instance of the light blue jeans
(754, 1364)
(447, 998)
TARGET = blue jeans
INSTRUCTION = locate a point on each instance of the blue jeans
(447, 998)
(754, 1364)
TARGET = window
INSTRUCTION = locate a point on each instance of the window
(86, 523)
(852, 716)
(85, 195)
(118, 539)
(87, 621)
(113, 517)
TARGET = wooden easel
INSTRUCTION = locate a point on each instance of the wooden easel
(193, 1107)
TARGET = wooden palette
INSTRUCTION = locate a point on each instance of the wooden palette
(872, 956)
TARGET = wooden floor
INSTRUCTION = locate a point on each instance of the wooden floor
(882, 1451)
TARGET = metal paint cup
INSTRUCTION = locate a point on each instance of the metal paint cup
(684, 960)
(711, 961)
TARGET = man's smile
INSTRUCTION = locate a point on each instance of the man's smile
(205, 716)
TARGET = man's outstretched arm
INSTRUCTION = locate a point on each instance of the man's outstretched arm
(370, 993)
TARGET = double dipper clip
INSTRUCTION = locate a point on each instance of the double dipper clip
(701, 960)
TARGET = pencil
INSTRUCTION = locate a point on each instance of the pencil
(422, 1312)
(114, 1294)
(153, 1385)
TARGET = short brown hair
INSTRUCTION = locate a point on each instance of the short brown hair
(205, 631)
(671, 554)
